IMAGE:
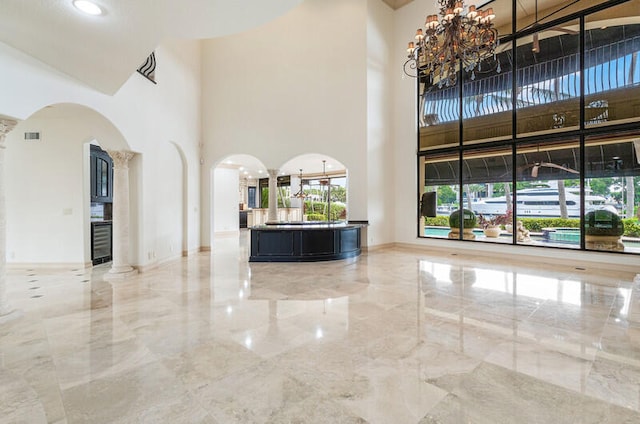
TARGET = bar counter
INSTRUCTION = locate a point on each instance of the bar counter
(305, 241)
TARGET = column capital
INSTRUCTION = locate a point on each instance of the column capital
(273, 173)
(6, 125)
(120, 158)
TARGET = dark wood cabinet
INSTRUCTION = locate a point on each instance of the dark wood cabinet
(243, 219)
(101, 205)
(101, 175)
(305, 243)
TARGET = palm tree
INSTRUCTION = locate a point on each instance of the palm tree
(631, 194)
(562, 199)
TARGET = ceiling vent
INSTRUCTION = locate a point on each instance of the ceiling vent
(32, 136)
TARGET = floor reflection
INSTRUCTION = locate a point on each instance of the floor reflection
(392, 336)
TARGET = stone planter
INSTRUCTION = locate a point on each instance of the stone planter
(467, 234)
(492, 232)
(612, 243)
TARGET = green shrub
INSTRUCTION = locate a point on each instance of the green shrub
(338, 211)
(631, 227)
(437, 221)
(470, 219)
(603, 223)
(316, 217)
(537, 224)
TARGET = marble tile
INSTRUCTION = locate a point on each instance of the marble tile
(621, 339)
(396, 393)
(614, 382)
(394, 335)
(492, 394)
(149, 393)
(543, 363)
(99, 361)
(19, 403)
(575, 318)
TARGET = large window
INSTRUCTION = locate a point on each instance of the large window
(543, 145)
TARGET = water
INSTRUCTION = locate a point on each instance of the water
(570, 237)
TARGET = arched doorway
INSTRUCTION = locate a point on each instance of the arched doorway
(48, 185)
(318, 187)
(235, 196)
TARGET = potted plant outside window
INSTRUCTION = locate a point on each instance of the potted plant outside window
(603, 230)
(469, 221)
(491, 224)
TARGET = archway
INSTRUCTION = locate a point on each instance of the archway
(48, 197)
(318, 187)
(235, 191)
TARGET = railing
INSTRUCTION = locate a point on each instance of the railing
(610, 67)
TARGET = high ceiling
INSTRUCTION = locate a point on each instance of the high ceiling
(397, 4)
(103, 51)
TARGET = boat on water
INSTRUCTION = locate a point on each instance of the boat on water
(542, 202)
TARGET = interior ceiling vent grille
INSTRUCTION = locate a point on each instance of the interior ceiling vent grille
(32, 136)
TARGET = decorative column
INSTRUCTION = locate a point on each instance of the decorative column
(272, 215)
(6, 312)
(243, 191)
(120, 267)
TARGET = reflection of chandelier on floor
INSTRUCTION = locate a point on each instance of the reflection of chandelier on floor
(457, 39)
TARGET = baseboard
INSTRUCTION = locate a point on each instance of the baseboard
(156, 264)
(147, 267)
(596, 262)
(378, 247)
(190, 252)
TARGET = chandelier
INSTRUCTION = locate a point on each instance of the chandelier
(300, 194)
(457, 39)
(325, 180)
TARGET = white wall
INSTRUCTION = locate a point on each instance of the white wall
(169, 203)
(380, 174)
(143, 114)
(225, 200)
(46, 189)
(406, 20)
(293, 86)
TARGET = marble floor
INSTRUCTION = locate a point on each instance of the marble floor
(394, 336)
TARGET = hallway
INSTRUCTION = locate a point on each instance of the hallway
(394, 336)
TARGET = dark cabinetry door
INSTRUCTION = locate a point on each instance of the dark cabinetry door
(101, 176)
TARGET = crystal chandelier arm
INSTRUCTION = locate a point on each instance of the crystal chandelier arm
(457, 40)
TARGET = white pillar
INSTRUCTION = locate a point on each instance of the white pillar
(243, 190)
(6, 312)
(120, 267)
(272, 216)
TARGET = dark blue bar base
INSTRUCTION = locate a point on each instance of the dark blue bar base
(304, 243)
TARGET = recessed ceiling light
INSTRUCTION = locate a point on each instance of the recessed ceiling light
(87, 7)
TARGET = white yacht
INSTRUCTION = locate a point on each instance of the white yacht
(541, 202)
